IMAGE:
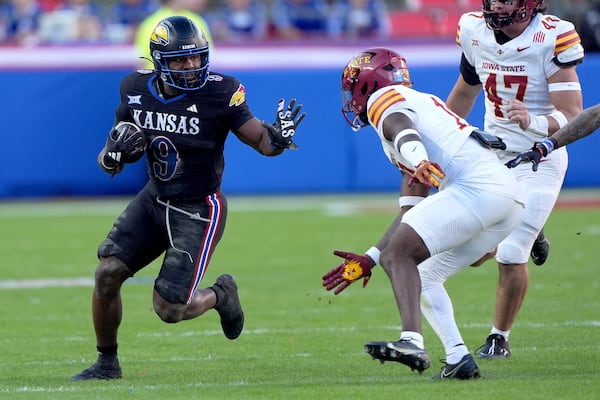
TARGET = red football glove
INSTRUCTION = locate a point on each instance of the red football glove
(354, 267)
(428, 173)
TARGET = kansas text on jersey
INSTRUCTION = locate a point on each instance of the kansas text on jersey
(185, 134)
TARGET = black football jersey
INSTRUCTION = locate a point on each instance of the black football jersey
(185, 134)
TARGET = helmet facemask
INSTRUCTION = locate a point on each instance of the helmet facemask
(525, 11)
(184, 79)
(355, 113)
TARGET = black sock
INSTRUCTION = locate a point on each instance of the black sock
(107, 353)
(218, 293)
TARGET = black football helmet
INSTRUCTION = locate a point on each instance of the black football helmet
(176, 37)
(365, 73)
(525, 11)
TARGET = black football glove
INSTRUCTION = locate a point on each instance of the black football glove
(125, 144)
(534, 156)
(283, 129)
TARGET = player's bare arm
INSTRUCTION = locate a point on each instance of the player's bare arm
(395, 123)
(568, 102)
(410, 195)
(581, 126)
(462, 97)
(255, 135)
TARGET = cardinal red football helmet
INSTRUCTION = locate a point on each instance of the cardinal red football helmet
(365, 73)
(525, 11)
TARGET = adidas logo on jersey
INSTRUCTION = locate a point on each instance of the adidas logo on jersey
(192, 108)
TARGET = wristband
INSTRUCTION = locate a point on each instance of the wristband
(538, 125)
(374, 253)
(402, 133)
(548, 145)
(560, 118)
(414, 152)
(411, 201)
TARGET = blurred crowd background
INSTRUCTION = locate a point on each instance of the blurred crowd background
(65, 22)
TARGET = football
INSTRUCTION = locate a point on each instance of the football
(130, 139)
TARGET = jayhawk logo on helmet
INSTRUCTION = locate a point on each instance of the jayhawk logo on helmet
(160, 35)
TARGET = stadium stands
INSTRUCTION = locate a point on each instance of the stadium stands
(430, 18)
(411, 24)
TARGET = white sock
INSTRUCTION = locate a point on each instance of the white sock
(496, 331)
(414, 337)
(456, 353)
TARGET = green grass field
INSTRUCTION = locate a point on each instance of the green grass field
(300, 341)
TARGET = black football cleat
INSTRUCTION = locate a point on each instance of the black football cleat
(540, 249)
(495, 346)
(402, 351)
(100, 371)
(466, 368)
(228, 306)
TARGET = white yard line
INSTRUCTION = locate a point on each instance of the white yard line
(61, 282)
(45, 283)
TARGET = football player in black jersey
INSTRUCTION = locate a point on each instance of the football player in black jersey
(182, 114)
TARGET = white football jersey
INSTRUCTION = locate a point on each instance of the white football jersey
(442, 131)
(518, 69)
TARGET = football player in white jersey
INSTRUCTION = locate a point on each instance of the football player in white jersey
(525, 63)
(476, 206)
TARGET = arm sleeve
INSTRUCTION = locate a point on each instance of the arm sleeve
(468, 71)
